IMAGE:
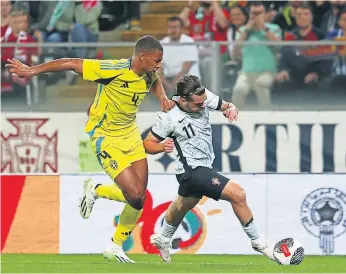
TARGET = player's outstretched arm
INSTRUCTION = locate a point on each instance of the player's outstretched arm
(62, 64)
(230, 111)
(158, 90)
(154, 145)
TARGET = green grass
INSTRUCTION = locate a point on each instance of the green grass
(152, 264)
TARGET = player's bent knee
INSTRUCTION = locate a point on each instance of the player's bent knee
(135, 199)
(238, 195)
(234, 193)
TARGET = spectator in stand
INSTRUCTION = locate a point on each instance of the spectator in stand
(35, 10)
(133, 11)
(30, 7)
(16, 34)
(320, 8)
(273, 8)
(38, 28)
(329, 20)
(286, 18)
(209, 22)
(239, 18)
(6, 7)
(242, 3)
(209, 19)
(85, 28)
(338, 79)
(178, 59)
(295, 68)
(258, 62)
(61, 22)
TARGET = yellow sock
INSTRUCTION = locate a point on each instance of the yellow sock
(110, 192)
(127, 223)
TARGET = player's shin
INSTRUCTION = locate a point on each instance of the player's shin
(251, 230)
(127, 222)
(172, 220)
(176, 213)
(110, 192)
(235, 194)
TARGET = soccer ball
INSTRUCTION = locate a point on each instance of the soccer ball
(288, 252)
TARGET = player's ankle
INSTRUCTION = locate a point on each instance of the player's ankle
(251, 230)
(117, 243)
(168, 230)
(97, 186)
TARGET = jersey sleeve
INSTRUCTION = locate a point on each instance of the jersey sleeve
(213, 101)
(99, 69)
(163, 126)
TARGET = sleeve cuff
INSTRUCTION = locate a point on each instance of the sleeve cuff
(157, 136)
(219, 104)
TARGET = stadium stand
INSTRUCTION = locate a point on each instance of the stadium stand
(153, 22)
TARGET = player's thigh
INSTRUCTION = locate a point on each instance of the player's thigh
(141, 169)
(110, 157)
(130, 183)
(186, 187)
(233, 192)
(202, 181)
(138, 159)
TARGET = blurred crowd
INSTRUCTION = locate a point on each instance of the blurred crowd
(25, 22)
(258, 69)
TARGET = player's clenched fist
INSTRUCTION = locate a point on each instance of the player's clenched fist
(168, 145)
(231, 113)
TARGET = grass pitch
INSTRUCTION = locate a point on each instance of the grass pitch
(152, 264)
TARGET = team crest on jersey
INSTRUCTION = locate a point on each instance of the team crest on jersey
(113, 164)
(29, 150)
(323, 214)
(215, 181)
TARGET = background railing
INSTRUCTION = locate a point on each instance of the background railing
(67, 91)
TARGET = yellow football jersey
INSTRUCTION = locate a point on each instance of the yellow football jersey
(119, 94)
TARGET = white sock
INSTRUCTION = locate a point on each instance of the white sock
(168, 230)
(116, 245)
(251, 230)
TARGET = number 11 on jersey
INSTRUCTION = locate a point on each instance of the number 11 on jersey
(186, 129)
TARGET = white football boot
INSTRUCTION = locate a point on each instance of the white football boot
(261, 245)
(116, 254)
(163, 244)
(89, 197)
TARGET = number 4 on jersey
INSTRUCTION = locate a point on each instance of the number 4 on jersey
(186, 129)
(104, 154)
(135, 99)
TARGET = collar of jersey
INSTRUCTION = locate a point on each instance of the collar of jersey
(130, 68)
(175, 98)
